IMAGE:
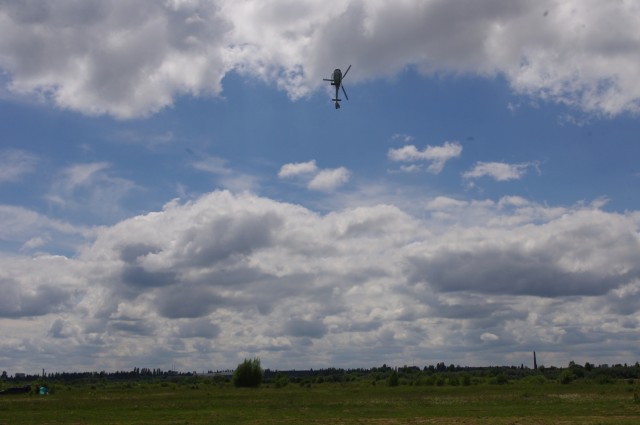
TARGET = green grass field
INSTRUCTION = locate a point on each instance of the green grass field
(205, 402)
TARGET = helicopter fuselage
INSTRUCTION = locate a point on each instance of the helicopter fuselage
(336, 80)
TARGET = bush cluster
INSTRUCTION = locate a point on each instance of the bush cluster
(248, 374)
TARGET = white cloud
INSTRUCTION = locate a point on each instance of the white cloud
(35, 242)
(297, 168)
(212, 164)
(499, 171)
(252, 276)
(130, 59)
(406, 153)
(51, 286)
(445, 203)
(81, 174)
(329, 179)
(91, 188)
(151, 140)
(225, 176)
(325, 180)
(124, 59)
(33, 230)
(436, 155)
(15, 163)
(402, 137)
(413, 168)
(489, 337)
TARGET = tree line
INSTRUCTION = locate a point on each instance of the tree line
(250, 373)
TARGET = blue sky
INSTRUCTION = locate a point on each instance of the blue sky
(176, 187)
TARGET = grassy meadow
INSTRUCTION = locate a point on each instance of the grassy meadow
(205, 401)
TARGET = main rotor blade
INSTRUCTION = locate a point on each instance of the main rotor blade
(346, 72)
(344, 91)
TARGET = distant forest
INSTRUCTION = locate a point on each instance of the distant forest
(439, 374)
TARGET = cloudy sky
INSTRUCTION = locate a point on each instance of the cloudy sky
(178, 191)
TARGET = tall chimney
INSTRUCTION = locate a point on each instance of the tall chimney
(535, 363)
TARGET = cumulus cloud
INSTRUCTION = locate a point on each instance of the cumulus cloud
(228, 275)
(109, 57)
(325, 180)
(297, 168)
(305, 328)
(42, 300)
(133, 59)
(547, 260)
(489, 337)
(31, 230)
(330, 179)
(437, 156)
(51, 286)
(499, 171)
(198, 328)
(445, 203)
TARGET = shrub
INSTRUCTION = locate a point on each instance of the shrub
(248, 374)
(282, 380)
(500, 379)
(466, 380)
(566, 377)
(605, 379)
(430, 380)
(393, 379)
(535, 379)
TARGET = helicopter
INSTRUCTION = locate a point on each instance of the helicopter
(336, 80)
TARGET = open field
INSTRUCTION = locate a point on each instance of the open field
(205, 402)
